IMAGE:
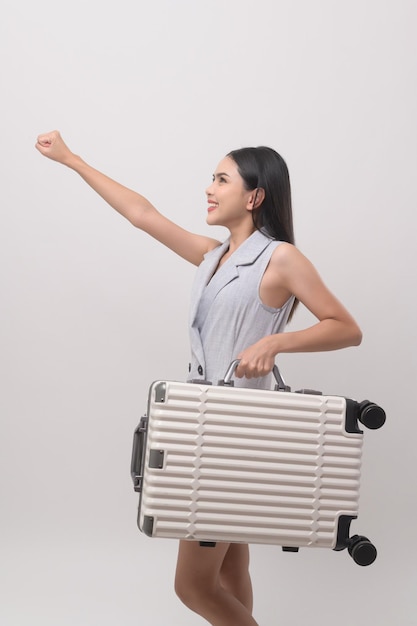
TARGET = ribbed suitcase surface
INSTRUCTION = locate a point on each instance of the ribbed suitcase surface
(242, 465)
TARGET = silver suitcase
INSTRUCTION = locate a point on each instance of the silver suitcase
(218, 463)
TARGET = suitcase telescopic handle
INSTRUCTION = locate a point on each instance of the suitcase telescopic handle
(280, 386)
(136, 468)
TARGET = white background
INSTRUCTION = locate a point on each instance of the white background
(154, 94)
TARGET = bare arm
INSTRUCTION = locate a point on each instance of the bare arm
(133, 206)
(293, 273)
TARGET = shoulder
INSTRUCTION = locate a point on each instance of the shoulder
(290, 264)
(286, 253)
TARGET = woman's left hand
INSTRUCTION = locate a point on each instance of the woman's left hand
(257, 360)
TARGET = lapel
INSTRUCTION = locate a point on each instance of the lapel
(208, 278)
(246, 254)
(204, 273)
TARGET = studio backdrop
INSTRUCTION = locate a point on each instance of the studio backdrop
(155, 94)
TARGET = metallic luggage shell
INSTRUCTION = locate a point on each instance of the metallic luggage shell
(244, 465)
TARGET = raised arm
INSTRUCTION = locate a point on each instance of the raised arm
(134, 207)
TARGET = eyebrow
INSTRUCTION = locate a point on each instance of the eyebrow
(220, 174)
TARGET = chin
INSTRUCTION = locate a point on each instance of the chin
(211, 220)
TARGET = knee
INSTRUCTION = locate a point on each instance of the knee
(192, 591)
(185, 589)
(180, 587)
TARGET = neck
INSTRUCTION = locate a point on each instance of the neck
(239, 235)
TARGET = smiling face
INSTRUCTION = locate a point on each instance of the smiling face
(229, 203)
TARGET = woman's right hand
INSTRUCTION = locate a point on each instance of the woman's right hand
(53, 146)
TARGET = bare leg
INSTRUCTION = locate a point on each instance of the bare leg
(198, 583)
(234, 574)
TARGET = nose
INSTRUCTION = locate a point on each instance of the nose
(209, 190)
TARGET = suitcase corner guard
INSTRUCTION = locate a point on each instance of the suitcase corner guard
(147, 525)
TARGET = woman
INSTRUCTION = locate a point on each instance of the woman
(244, 293)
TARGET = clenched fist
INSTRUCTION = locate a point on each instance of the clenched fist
(53, 146)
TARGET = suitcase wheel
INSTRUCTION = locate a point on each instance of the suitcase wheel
(371, 415)
(362, 551)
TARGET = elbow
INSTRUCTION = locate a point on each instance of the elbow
(356, 338)
(140, 216)
(135, 218)
(351, 335)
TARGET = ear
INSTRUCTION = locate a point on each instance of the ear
(256, 198)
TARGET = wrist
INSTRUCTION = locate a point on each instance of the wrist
(74, 162)
(273, 344)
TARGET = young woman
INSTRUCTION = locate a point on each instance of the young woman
(243, 296)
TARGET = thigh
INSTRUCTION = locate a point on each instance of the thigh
(200, 563)
(236, 559)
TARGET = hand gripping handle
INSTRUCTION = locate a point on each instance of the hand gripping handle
(227, 380)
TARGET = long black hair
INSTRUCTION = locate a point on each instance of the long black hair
(264, 167)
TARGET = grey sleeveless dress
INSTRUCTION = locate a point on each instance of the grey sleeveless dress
(227, 314)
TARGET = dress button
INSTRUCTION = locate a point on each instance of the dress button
(200, 370)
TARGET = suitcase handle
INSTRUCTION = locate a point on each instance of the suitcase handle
(227, 380)
(136, 467)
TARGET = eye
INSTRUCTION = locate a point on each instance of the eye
(220, 178)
